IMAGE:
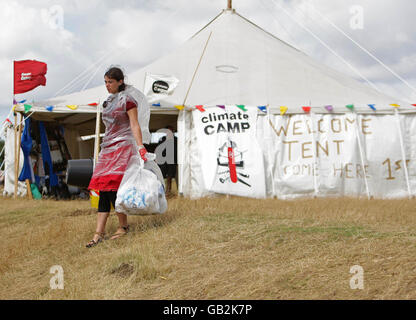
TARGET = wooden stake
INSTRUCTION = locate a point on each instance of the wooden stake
(230, 4)
(29, 190)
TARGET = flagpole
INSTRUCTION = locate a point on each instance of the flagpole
(18, 148)
(15, 155)
(15, 135)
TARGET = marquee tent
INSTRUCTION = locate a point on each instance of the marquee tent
(348, 140)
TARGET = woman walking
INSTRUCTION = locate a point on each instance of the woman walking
(126, 117)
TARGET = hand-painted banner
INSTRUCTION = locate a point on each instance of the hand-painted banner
(323, 153)
(231, 159)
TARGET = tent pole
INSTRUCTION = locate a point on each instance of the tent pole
(314, 171)
(406, 173)
(97, 134)
(197, 67)
(357, 131)
(270, 157)
(230, 4)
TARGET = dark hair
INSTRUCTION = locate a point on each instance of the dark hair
(116, 74)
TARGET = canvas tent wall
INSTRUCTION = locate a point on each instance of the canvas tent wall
(232, 61)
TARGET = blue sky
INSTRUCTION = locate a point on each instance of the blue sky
(72, 35)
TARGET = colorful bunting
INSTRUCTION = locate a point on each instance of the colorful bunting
(222, 107)
(23, 101)
(200, 108)
(329, 108)
(395, 105)
(306, 109)
(72, 107)
(373, 106)
(283, 110)
(14, 107)
(14, 101)
(93, 104)
(242, 107)
(350, 106)
(263, 108)
(414, 104)
(27, 107)
(49, 108)
(180, 107)
(156, 105)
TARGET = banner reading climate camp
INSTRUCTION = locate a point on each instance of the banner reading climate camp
(232, 161)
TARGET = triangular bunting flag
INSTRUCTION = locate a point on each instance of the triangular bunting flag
(263, 108)
(242, 107)
(156, 105)
(373, 106)
(93, 104)
(49, 108)
(222, 107)
(395, 105)
(306, 109)
(27, 107)
(350, 106)
(14, 101)
(414, 104)
(72, 107)
(180, 107)
(200, 108)
(283, 110)
(23, 101)
(14, 107)
(329, 108)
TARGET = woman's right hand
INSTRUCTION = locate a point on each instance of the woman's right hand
(142, 152)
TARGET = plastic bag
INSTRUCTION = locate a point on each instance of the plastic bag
(140, 191)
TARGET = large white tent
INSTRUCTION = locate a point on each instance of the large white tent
(287, 153)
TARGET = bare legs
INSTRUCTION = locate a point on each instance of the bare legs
(102, 220)
(123, 226)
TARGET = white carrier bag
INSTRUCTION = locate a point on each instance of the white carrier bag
(140, 191)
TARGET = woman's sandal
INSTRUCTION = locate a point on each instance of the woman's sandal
(93, 242)
(121, 231)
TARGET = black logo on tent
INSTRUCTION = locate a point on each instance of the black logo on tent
(160, 87)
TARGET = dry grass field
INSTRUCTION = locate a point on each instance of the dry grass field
(214, 248)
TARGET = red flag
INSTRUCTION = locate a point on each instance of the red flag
(28, 74)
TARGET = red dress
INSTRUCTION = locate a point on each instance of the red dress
(118, 144)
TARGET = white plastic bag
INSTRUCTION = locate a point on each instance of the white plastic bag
(140, 191)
